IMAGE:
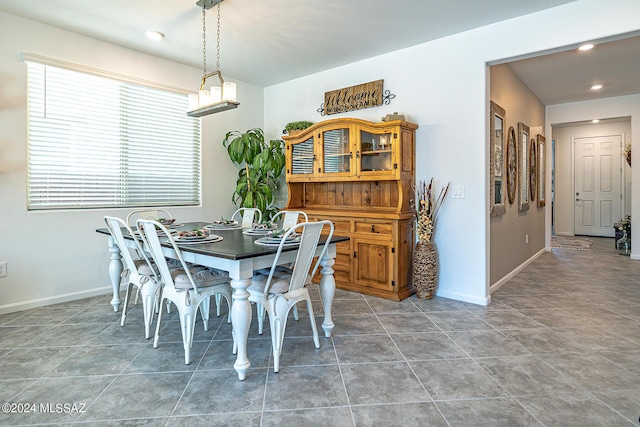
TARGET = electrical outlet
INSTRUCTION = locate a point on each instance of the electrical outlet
(3, 269)
(526, 238)
(457, 192)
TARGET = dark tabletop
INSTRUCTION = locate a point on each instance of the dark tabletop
(234, 245)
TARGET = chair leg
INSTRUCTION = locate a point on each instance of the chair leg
(157, 335)
(295, 313)
(260, 312)
(187, 324)
(204, 312)
(135, 301)
(126, 304)
(149, 294)
(278, 323)
(312, 318)
(218, 303)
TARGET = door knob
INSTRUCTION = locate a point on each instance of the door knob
(577, 200)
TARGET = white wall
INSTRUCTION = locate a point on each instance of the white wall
(55, 256)
(622, 106)
(442, 86)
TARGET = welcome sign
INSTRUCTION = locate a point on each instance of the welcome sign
(365, 95)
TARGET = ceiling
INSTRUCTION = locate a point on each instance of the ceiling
(265, 42)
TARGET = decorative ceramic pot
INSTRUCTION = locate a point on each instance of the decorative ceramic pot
(624, 244)
(425, 270)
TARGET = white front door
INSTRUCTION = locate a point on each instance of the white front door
(597, 177)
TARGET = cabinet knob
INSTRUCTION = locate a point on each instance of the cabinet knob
(355, 254)
(373, 228)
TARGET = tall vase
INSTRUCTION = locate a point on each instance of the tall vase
(624, 244)
(425, 270)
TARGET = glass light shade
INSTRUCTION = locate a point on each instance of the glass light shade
(229, 91)
(193, 101)
(216, 94)
(204, 98)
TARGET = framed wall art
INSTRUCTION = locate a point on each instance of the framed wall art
(533, 170)
(523, 167)
(512, 164)
(496, 160)
(541, 170)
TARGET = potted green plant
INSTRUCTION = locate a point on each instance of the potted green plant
(263, 164)
(295, 127)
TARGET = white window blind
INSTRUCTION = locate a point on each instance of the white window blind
(95, 142)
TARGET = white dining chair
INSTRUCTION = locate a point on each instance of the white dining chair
(139, 272)
(155, 214)
(289, 218)
(189, 288)
(248, 216)
(279, 292)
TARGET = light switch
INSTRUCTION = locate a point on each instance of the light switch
(457, 192)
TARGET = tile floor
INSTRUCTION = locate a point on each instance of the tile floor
(559, 346)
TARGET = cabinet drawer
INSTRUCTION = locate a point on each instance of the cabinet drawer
(384, 228)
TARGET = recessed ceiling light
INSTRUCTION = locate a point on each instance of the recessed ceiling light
(588, 46)
(595, 120)
(596, 87)
(154, 35)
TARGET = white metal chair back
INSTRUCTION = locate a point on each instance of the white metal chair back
(156, 214)
(290, 218)
(249, 216)
(115, 226)
(151, 232)
(311, 232)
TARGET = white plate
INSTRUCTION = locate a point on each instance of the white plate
(272, 241)
(231, 226)
(211, 238)
(256, 232)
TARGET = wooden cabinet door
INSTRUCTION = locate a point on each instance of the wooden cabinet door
(301, 160)
(372, 263)
(335, 152)
(377, 152)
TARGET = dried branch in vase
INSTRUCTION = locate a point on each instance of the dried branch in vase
(427, 207)
(626, 152)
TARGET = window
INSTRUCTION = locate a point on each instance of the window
(97, 142)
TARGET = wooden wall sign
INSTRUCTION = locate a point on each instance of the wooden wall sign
(352, 98)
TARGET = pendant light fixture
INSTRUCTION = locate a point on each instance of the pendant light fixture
(217, 98)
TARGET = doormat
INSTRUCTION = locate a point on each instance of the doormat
(575, 243)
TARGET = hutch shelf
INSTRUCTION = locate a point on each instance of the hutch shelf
(359, 175)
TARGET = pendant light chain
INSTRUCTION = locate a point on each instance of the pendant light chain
(204, 41)
(218, 40)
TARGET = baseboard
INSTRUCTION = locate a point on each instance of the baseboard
(56, 299)
(560, 233)
(464, 297)
(515, 271)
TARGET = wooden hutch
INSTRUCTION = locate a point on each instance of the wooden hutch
(359, 175)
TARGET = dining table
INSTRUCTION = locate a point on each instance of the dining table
(239, 255)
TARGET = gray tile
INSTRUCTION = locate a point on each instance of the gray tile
(503, 412)
(66, 336)
(527, 375)
(33, 363)
(357, 325)
(155, 395)
(366, 348)
(458, 321)
(74, 395)
(628, 360)
(167, 357)
(626, 402)
(404, 323)
(340, 416)
(219, 354)
(17, 336)
(541, 340)
(246, 419)
(220, 391)
(522, 301)
(426, 346)
(593, 372)
(439, 304)
(509, 319)
(554, 317)
(45, 316)
(304, 387)
(132, 422)
(394, 382)
(400, 415)
(456, 379)
(598, 339)
(487, 343)
(380, 305)
(97, 360)
(10, 388)
(302, 352)
(580, 410)
(350, 306)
